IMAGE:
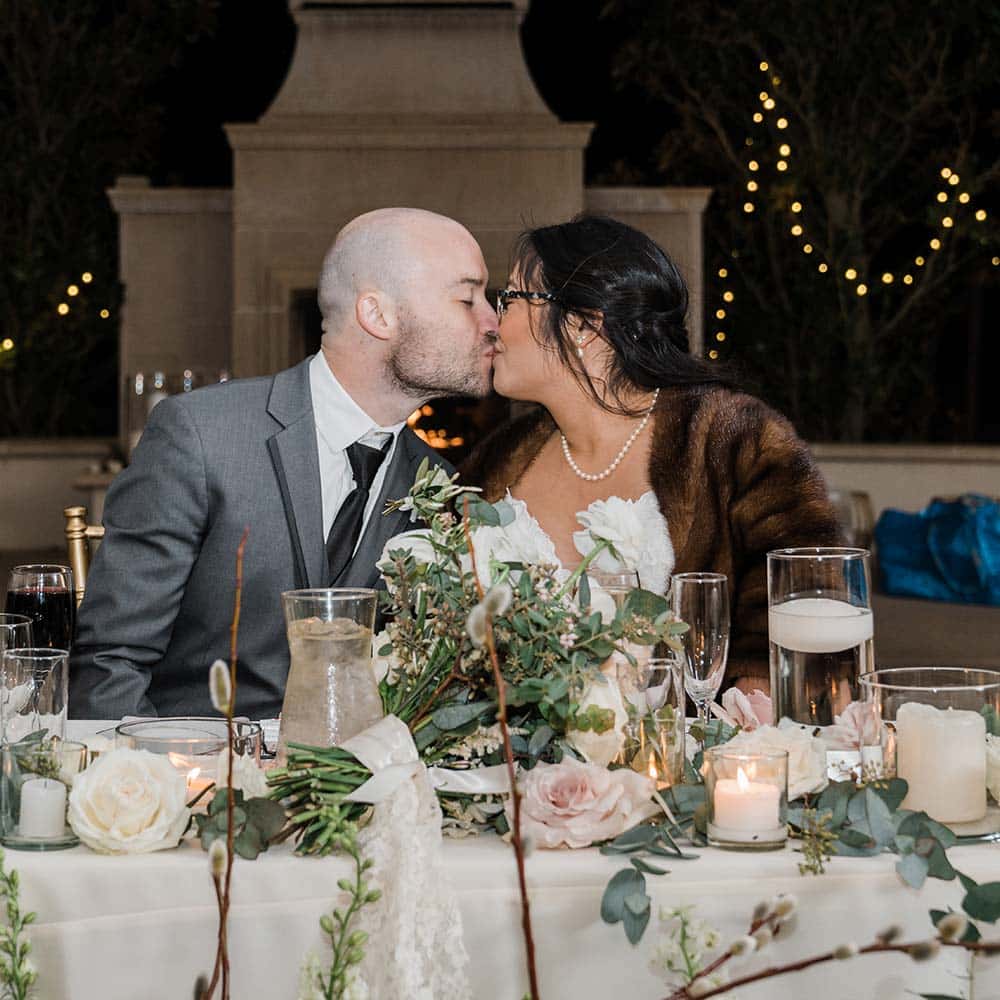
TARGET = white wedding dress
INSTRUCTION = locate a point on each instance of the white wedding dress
(638, 528)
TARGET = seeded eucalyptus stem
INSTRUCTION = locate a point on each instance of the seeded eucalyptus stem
(515, 833)
(18, 974)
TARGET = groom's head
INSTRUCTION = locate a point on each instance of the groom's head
(403, 298)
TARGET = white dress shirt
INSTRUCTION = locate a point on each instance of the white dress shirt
(339, 423)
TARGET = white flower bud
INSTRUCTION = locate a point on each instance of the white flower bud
(498, 599)
(844, 951)
(952, 927)
(217, 857)
(219, 686)
(475, 625)
(761, 912)
(785, 906)
(743, 946)
(763, 937)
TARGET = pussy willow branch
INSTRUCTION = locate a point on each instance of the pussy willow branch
(876, 948)
(515, 833)
(222, 891)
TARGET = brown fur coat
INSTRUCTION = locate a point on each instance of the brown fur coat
(733, 482)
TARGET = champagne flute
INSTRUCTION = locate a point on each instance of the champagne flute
(701, 600)
(44, 593)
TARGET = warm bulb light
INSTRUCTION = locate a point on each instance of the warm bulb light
(935, 244)
(720, 336)
(769, 104)
(7, 344)
(785, 149)
(964, 197)
(73, 290)
(782, 166)
(727, 296)
(751, 185)
(758, 117)
(822, 268)
(723, 273)
(954, 179)
(887, 278)
(753, 165)
(776, 80)
(996, 261)
(62, 308)
(796, 206)
(104, 314)
(763, 95)
(86, 277)
(748, 207)
(807, 248)
(946, 172)
(796, 230)
(947, 222)
(850, 274)
(782, 123)
(942, 196)
(764, 67)
(907, 279)
(919, 261)
(981, 215)
(862, 289)
(720, 313)
(713, 354)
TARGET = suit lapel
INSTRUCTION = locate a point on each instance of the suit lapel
(360, 571)
(295, 456)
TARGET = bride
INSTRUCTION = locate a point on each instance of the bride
(592, 327)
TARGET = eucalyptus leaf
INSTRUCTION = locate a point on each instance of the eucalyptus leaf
(583, 592)
(637, 903)
(539, 738)
(622, 884)
(644, 603)
(912, 870)
(645, 866)
(455, 716)
(635, 925)
(983, 902)
(892, 792)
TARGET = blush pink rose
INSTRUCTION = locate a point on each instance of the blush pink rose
(748, 711)
(573, 804)
(856, 727)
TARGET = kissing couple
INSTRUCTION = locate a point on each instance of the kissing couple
(590, 326)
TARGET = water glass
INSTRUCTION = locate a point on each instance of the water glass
(34, 692)
(15, 632)
(35, 778)
(44, 593)
(331, 694)
(701, 601)
(653, 692)
(820, 629)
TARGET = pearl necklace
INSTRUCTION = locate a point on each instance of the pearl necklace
(593, 477)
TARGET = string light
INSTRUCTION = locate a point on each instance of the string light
(86, 277)
(764, 67)
(947, 222)
(807, 248)
(769, 104)
(785, 149)
(73, 290)
(7, 344)
(942, 196)
(796, 230)
(782, 123)
(763, 95)
(720, 336)
(720, 313)
(751, 185)
(62, 308)
(104, 314)
(748, 207)
(946, 172)
(964, 197)
(796, 206)
(782, 166)
(753, 165)
(954, 179)
(981, 215)
(907, 279)
(723, 273)
(935, 244)
(713, 355)
(776, 80)
(850, 274)
(996, 261)
(758, 117)
(862, 289)
(822, 268)
(728, 296)
(887, 278)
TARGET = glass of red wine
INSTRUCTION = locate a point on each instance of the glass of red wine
(44, 593)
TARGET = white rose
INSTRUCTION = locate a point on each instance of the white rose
(129, 802)
(416, 543)
(637, 531)
(806, 754)
(248, 778)
(993, 766)
(384, 667)
(521, 541)
(601, 748)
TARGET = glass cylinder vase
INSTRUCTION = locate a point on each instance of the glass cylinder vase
(747, 796)
(653, 693)
(820, 630)
(935, 725)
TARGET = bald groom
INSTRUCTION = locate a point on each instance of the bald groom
(405, 319)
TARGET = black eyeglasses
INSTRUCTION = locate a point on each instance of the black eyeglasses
(506, 294)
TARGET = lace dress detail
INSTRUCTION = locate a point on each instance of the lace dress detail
(654, 551)
(415, 949)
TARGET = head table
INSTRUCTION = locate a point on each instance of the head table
(145, 926)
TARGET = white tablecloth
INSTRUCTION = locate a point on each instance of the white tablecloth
(122, 928)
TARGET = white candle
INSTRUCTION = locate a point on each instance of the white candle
(819, 625)
(941, 754)
(746, 811)
(43, 808)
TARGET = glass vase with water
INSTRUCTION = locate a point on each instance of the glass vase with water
(820, 630)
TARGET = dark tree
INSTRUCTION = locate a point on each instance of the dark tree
(76, 78)
(849, 257)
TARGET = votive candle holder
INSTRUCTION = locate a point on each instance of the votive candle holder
(747, 796)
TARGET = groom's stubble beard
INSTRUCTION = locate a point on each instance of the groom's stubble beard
(421, 367)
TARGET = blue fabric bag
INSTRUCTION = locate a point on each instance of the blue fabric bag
(950, 551)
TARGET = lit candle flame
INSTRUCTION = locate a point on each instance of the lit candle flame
(651, 770)
(742, 781)
(181, 762)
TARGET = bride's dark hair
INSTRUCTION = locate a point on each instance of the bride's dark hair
(618, 280)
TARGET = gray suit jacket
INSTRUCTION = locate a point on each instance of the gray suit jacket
(159, 596)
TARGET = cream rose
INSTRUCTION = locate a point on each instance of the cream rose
(129, 802)
(806, 754)
(573, 804)
(416, 542)
(521, 541)
(601, 748)
(248, 778)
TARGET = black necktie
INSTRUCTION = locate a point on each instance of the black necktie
(346, 527)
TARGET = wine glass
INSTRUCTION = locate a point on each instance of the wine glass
(15, 632)
(44, 593)
(701, 600)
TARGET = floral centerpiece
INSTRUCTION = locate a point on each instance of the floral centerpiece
(553, 630)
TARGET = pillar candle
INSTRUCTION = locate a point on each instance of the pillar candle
(43, 808)
(941, 754)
